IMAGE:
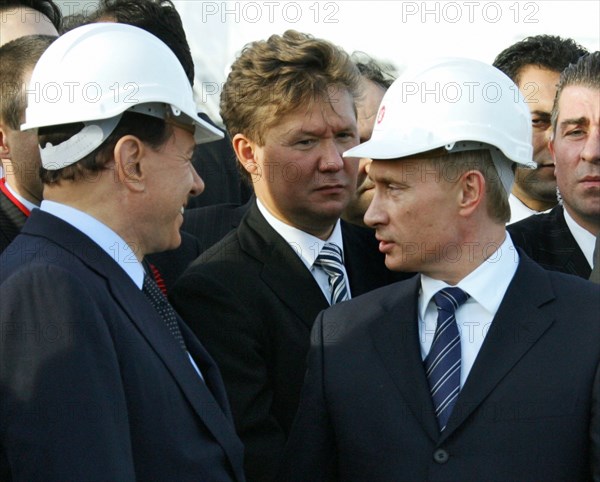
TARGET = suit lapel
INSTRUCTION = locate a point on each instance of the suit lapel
(206, 399)
(396, 340)
(283, 271)
(517, 326)
(562, 246)
(150, 325)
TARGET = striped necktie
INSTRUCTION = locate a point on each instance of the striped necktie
(442, 364)
(330, 260)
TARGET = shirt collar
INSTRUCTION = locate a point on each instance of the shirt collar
(306, 246)
(485, 285)
(102, 235)
(28, 204)
(585, 239)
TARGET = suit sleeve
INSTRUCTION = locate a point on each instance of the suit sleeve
(231, 328)
(309, 453)
(63, 414)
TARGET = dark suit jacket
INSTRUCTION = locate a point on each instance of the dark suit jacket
(210, 224)
(252, 302)
(217, 165)
(529, 410)
(12, 220)
(172, 264)
(92, 385)
(546, 239)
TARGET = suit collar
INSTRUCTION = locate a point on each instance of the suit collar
(208, 406)
(517, 326)
(283, 271)
(560, 250)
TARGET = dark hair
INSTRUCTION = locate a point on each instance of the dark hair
(546, 51)
(73, 21)
(159, 17)
(150, 130)
(16, 58)
(586, 72)
(372, 70)
(46, 7)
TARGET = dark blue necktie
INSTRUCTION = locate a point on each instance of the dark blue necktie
(442, 364)
(164, 309)
(330, 259)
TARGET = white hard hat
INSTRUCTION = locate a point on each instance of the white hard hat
(455, 103)
(94, 73)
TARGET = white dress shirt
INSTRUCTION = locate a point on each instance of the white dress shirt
(518, 210)
(108, 240)
(28, 204)
(308, 247)
(585, 239)
(486, 286)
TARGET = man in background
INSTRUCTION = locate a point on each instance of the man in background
(288, 105)
(564, 238)
(21, 187)
(535, 64)
(374, 83)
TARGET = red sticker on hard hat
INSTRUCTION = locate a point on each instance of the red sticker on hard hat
(381, 114)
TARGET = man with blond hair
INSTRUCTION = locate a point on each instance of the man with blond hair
(288, 105)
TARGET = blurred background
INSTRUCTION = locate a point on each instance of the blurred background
(394, 32)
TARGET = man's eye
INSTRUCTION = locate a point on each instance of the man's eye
(575, 133)
(539, 122)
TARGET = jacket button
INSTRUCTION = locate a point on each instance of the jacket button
(441, 456)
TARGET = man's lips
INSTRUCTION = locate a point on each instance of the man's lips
(590, 180)
(331, 187)
(384, 245)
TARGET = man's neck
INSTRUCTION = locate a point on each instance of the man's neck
(538, 205)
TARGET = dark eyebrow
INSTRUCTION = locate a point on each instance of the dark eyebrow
(575, 122)
(541, 113)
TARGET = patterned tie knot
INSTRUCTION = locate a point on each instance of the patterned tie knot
(330, 260)
(443, 362)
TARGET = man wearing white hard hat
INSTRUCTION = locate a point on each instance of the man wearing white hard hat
(477, 369)
(99, 378)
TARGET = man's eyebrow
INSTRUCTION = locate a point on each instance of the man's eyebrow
(541, 113)
(575, 121)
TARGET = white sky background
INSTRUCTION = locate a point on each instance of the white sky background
(397, 31)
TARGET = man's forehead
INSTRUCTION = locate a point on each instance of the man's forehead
(575, 100)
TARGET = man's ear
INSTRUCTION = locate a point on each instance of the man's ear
(4, 148)
(472, 191)
(245, 150)
(130, 169)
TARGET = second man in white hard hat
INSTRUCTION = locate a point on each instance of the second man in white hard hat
(477, 369)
